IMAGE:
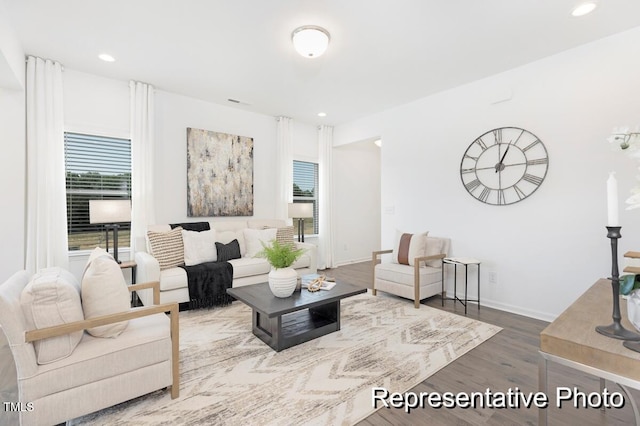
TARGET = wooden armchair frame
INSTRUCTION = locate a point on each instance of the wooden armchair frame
(171, 308)
(375, 259)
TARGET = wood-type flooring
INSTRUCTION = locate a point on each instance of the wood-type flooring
(508, 360)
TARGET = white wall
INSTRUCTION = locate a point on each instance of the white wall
(356, 201)
(98, 105)
(549, 248)
(174, 113)
(13, 141)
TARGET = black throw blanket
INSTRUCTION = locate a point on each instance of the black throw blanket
(208, 284)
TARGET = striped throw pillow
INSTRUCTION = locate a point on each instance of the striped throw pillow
(408, 247)
(167, 247)
(284, 236)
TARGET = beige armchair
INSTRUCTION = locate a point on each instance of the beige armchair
(418, 281)
(100, 372)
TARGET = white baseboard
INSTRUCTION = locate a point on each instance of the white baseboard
(352, 261)
(518, 310)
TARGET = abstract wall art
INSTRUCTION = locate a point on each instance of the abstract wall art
(219, 174)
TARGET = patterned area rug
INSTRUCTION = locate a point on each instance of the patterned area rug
(230, 377)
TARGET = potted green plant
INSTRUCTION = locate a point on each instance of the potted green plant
(282, 278)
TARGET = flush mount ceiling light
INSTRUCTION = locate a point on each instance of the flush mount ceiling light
(310, 41)
(106, 57)
(322, 114)
(583, 9)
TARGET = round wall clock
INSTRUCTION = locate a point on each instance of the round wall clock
(504, 166)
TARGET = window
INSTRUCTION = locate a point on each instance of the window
(97, 168)
(305, 190)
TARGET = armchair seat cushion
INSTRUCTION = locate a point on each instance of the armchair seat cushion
(404, 274)
(146, 341)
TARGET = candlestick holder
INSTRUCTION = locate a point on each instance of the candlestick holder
(616, 330)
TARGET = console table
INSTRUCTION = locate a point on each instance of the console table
(572, 340)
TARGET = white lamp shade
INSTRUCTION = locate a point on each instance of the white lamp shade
(300, 210)
(310, 41)
(109, 211)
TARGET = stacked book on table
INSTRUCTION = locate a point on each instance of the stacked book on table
(327, 282)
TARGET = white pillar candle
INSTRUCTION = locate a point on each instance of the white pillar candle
(612, 200)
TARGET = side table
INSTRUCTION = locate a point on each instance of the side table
(133, 266)
(455, 261)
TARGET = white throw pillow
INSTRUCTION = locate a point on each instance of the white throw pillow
(225, 237)
(408, 247)
(254, 238)
(104, 292)
(96, 252)
(199, 247)
(52, 297)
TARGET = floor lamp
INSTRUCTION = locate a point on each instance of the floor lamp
(300, 211)
(110, 212)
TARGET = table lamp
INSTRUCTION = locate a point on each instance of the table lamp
(300, 211)
(110, 212)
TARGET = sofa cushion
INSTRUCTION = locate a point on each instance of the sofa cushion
(52, 297)
(408, 247)
(403, 274)
(173, 278)
(199, 247)
(229, 251)
(249, 266)
(303, 261)
(104, 292)
(255, 238)
(167, 247)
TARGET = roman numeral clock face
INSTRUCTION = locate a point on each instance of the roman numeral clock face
(504, 166)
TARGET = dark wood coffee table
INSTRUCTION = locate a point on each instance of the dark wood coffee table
(285, 322)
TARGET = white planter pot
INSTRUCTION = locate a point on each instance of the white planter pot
(282, 282)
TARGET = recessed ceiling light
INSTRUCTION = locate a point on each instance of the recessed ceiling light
(584, 9)
(106, 57)
(378, 142)
(322, 114)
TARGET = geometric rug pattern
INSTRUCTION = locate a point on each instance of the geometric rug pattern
(230, 377)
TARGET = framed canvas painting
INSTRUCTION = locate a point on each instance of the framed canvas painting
(219, 174)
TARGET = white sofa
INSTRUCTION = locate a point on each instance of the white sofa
(246, 270)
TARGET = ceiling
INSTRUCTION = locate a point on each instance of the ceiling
(382, 53)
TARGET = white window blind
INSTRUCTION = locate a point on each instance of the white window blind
(305, 190)
(97, 168)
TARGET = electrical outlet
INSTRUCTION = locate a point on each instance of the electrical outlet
(493, 277)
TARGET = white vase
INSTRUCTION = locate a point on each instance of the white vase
(282, 282)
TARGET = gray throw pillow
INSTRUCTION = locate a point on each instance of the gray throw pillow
(228, 251)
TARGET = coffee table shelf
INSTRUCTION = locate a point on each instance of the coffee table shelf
(285, 322)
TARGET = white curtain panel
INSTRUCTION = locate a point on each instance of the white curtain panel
(46, 240)
(142, 161)
(284, 167)
(325, 239)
